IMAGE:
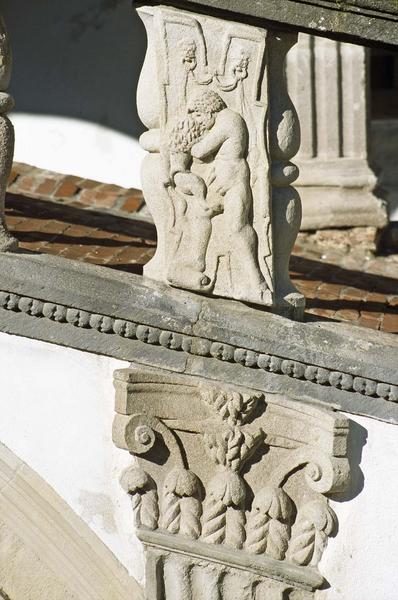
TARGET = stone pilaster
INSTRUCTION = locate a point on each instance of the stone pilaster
(327, 81)
(229, 489)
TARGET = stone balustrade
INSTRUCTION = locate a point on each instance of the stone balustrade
(234, 414)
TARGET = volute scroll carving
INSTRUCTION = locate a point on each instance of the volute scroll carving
(235, 481)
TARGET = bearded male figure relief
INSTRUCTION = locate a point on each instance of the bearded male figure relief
(209, 177)
(221, 131)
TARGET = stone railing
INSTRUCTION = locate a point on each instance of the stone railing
(231, 410)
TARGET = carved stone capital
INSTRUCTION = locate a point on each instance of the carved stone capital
(231, 485)
(217, 178)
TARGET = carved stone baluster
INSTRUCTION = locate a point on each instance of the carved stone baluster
(221, 133)
(284, 135)
(7, 241)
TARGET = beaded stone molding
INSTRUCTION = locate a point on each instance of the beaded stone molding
(229, 493)
(198, 346)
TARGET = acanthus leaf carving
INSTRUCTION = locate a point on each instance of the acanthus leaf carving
(315, 523)
(144, 496)
(269, 523)
(222, 444)
(181, 505)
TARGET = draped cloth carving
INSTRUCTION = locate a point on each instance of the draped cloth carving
(231, 485)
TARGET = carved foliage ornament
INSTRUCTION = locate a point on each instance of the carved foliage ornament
(229, 481)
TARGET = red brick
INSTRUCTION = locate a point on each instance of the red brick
(376, 297)
(370, 319)
(13, 220)
(97, 198)
(129, 254)
(351, 293)
(390, 323)
(105, 200)
(55, 247)
(392, 301)
(111, 188)
(46, 187)
(31, 225)
(26, 183)
(32, 246)
(126, 239)
(76, 252)
(78, 231)
(132, 203)
(66, 189)
(101, 234)
(13, 177)
(322, 312)
(105, 253)
(329, 291)
(53, 226)
(88, 184)
(347, 314)
(22, 168)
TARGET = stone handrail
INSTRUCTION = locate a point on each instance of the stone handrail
(365, 22)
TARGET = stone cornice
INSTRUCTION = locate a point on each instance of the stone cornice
(129, 317)
(358, 21)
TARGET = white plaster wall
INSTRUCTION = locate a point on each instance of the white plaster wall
(56, 407)
(77, 147)
(75, 72)
(361, 562)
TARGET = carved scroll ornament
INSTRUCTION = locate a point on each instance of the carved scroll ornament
(228, 482)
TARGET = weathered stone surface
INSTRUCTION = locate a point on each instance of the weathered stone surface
(230, 481)
(360, 21)
(328, 83)
(221, 133)
(48, 552)
(136, 319)
(7, 241)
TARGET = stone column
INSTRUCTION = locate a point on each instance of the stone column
(7, 241)
(327, 81)
(217, 178)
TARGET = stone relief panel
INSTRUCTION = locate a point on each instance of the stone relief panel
(230, 489)
(205, 97)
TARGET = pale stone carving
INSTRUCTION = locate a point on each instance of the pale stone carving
(7, 241)
(193, 345)
(229, 492)
(328, 82)
(221, 133)
(47, 551)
